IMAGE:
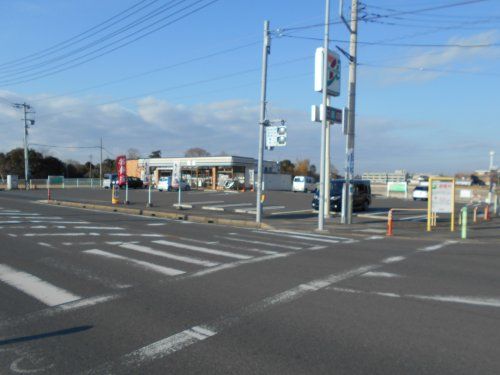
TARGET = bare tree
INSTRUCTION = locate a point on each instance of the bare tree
(133, 153)
(196, 152)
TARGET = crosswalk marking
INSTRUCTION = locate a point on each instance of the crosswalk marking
(202, 249)
(97, 227)
(67, 234)
(301, 237)
(261, 243)
(43, 291)
(154, 267)
(148, 250)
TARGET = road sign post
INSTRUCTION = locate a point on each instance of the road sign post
(441, 199)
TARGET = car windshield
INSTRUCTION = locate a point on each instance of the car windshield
(423, 188)
(298, 179)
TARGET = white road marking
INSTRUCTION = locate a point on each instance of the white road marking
(38, 227)
(18, 214)
(260, 243)
(12, 234)
(438, 246)
(300, 237)
(136, 235)
(380, 274)
(375, 238)
(222, 207)
(45, 244)
(202, 249)
(370, 230)
(227, 266)
(318, 247)
(251, 210)
(478, 301)
(146, 265)
(98, 228)
(10, 222)
(156, 224)
(57, 222)
(37, 288)
(292, 212)
(37, 217)
(67, 234)
(309, 235)
(148, 250)
(393, 259)
(467, 300)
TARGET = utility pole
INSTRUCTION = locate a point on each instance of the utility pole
(328, 160)
(351, 117)
(100, 168)
(492, 177)
(27, 123)
(262, 123)
(324, 124)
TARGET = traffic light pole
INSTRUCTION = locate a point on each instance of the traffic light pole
(26, 157)
(262, 122)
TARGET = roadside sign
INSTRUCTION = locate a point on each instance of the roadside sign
(441, 199)
(333, 115)
(333, 79)
(176, 173)
(121, 169)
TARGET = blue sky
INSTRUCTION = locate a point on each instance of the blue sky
(421, 108)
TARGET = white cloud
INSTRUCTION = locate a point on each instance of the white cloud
(382, 144)
(448, 58)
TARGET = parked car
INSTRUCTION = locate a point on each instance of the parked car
(421, 193)
(109, 180)
(362, 195)
(165, 183)
(303, 184)
(134, 183)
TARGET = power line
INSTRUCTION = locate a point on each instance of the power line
(68, 147)
(435, 70)
(18, 70)
(458, 45)
(73, 38)
(9, 83)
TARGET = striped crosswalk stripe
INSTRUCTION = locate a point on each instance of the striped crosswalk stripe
(202, 249)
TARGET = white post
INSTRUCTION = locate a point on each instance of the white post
(77, 183)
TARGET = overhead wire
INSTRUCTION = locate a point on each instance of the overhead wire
(10, 83)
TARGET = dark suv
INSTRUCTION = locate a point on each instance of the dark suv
(362, 195)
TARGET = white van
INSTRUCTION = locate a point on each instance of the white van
(303, 184)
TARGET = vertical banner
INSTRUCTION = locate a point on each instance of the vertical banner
(333, 79)
(121, 169)
(176, 174)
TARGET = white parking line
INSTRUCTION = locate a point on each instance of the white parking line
(148, 250)
(39, 289)
(393, 259)
(150, 266)
(438, 246)
(67, 234)
(202, 249)
(292, 212)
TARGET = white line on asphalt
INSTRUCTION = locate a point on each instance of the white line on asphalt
(393, 259)
(148, 250)
(45, 244)
(380, 274)
(43, 291)
(226, 266)
(233, 205)
(292, 212)
(136, 235)
(12, 234)
(478, 301)
(146, 265)
(202, 249)
(156, 224)
(67, 234)
(467, 300)
(314, 235)
(98, 228)
(10, 222)
(319, 247)
(38, 226)
(18, 214)
(370, 230)
(260, 243)
(57, 222)
(206, 202)
(251, 210)
(438, 246)
(375, 238)
(301, 237)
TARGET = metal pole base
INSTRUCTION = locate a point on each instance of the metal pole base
(149, 204)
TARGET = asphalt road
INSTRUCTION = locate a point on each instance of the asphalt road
(87, 292)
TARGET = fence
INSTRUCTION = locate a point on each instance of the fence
(65, 183)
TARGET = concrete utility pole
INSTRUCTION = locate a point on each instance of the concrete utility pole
(262, 121)
(492, 176)
(324, 124)
(328, 161)
(100, 167)
(351, 103)
(27, 123)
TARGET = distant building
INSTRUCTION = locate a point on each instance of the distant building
(385, 177)
(209, 171)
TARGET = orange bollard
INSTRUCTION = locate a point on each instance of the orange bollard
(389, 223)
(48, 195)
(487, 212)
(474, 216)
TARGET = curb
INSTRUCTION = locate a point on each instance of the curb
(161, 214)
